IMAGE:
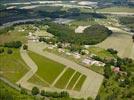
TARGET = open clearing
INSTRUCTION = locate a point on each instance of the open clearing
(12, 66)
(121, 42)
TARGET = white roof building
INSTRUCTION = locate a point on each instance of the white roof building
(77, 55)
(92, 62)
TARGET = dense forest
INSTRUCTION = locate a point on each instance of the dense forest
(91, 35)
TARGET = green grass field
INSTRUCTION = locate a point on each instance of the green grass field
(47, 69)
(65, 78)
(15, 34)
(38, 80)
(82, 22)
(102, 53)
(117, 9)
(80, 83)
(8, 93)
(74, 79)
(12, 66)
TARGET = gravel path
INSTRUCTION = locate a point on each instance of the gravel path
(31, 64)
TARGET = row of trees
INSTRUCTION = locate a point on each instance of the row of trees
(13, 44)
(36, 91)
(9, 51)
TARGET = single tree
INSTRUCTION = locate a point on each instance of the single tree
(133, 38)
(1, 50)
(25, 47)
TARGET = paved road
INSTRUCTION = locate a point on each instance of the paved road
(92, 82)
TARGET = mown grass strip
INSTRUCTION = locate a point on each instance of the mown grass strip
(74, 79)
(80, 83)
(61, 83)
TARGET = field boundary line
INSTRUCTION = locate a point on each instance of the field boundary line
(43, 80)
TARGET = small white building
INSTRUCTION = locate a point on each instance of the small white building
(61, 50)
(85, 51)
(92, 62)
(77, 55)
(68, 53)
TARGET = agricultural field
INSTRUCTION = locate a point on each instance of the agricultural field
(80, 82)
(82, 22)
(117, 9)
(121, 42)
(73, 80)
(12, 67)
(65, 78)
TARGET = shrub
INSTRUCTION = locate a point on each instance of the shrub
(42, 93)
(9, 51)
(13, 44)
(35, 91)
(1, 50)
(23, 91)
(107, 71)
(25, 47)
(64, 94)
(112, 51)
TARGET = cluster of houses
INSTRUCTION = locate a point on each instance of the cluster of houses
(90, 61)
(76, 55)
(87, 61)
(33, 37)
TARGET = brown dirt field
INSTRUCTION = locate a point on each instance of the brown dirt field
(121, 42)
